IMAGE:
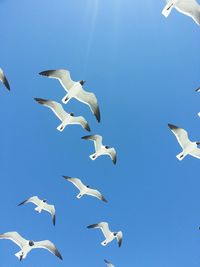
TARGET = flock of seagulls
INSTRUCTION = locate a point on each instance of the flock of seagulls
(74, 89)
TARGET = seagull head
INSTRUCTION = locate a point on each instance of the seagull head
(107, 147)
(115, 233)
(31, 243)
(72, 114)
(88, 186)
(198, 143)
(44, 200)
(82, 82)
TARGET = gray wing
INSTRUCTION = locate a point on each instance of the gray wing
(181, 135)
(119, 238)
(15, 237)
(109, 264)
(54, 106)
(91, 100)
(196, 153)
(96, 193)
(113, 155)
(62, 75)
(103, 226)
(33, 199)
(4, 79)
(97, 139)
(80, 120)
(46, 244)
(51, 209)
(75, 181)
(190, 8)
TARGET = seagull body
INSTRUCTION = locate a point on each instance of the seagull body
(100, 149)
(27, 245)
(189, 147)
(74, 90)
(110, 236)
(85, 190)
(66, 118)
(41, 205)
(109, 264)
(4, 80)
(188, 7)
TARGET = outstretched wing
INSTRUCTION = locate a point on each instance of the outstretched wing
(4, 79)
(46, 244)
(112, 153)
(91, 100)
(196, 153)
(103, 226)
(15, 237)
(119, 238)
(33, 199)
(181, 135)
(62, 75)
(97, 140)
(75, 181)
(96, 193)
(80, 120)
(54, 106)
(51, 209)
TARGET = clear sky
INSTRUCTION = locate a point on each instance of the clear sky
(143, 69)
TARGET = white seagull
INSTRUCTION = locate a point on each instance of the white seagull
(109, 264)
(85, 190)
(100, 149)
(4, 80)
(66, 118)
(41, 205)
(27, 245)
(189, 147)
(110, 236)
(188, 7)
(74, 90)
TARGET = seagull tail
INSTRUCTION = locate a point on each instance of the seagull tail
(61, 127)
(66, 99)
(167, 9)
(93, 156)
(180, 156)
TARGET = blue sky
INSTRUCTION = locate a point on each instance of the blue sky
(143, 69)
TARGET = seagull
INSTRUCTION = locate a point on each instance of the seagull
(198, 89)
(109, 264)
(85, 190)
(27, 245)
(100, 149)
(74, 90)
(110, 236)
(41, 205)
(188, 7)
(189, 147)
(66, 118)
(4, 80)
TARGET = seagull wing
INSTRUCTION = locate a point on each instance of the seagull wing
(109, 264)
(103, 226)
(34, 200)
(196, 153)
(46, 244)
(77, 182)
(4, 79)
(80, 120)
(190, 8)
(15, 237)
(55, 107)
(51, 210)
(96, 193)
(97, 140)
(181, 135)
(91, 100)
(112, 153)
(119, 238)
(62, 75)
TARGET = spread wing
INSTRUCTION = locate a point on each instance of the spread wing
(51, 209)
(15, 237)
(80, 120)
(119, 238)
(46, 244)
(181, 135)
(113, 155)
(103, 226)
(96, 193)
(4, 79)
(196, 153)
(190, 8)
(97, 139)
(91, 100)
(33, 199)
(62, 75)
(75, 181)
(55, 107)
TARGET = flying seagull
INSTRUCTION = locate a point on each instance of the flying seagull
(110, 236)
(74, 90)
(189, 147)
(66, 118)
(100, 149)
(41, 205)
(188, 7)
(4, 80)
(109, 264)
(85, 190)
(27, 245)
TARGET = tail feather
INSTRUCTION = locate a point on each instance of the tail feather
(167, 9)
(180, 156)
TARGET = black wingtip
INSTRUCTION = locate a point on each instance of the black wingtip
(66, 177)
(97, 115)
(87, 127)
(92, 226)
(172, 127)
(23, 202)
(45, 73)
(40, 100)
(86, 137)
(198, 89)
(104, 199)
(54, 220)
